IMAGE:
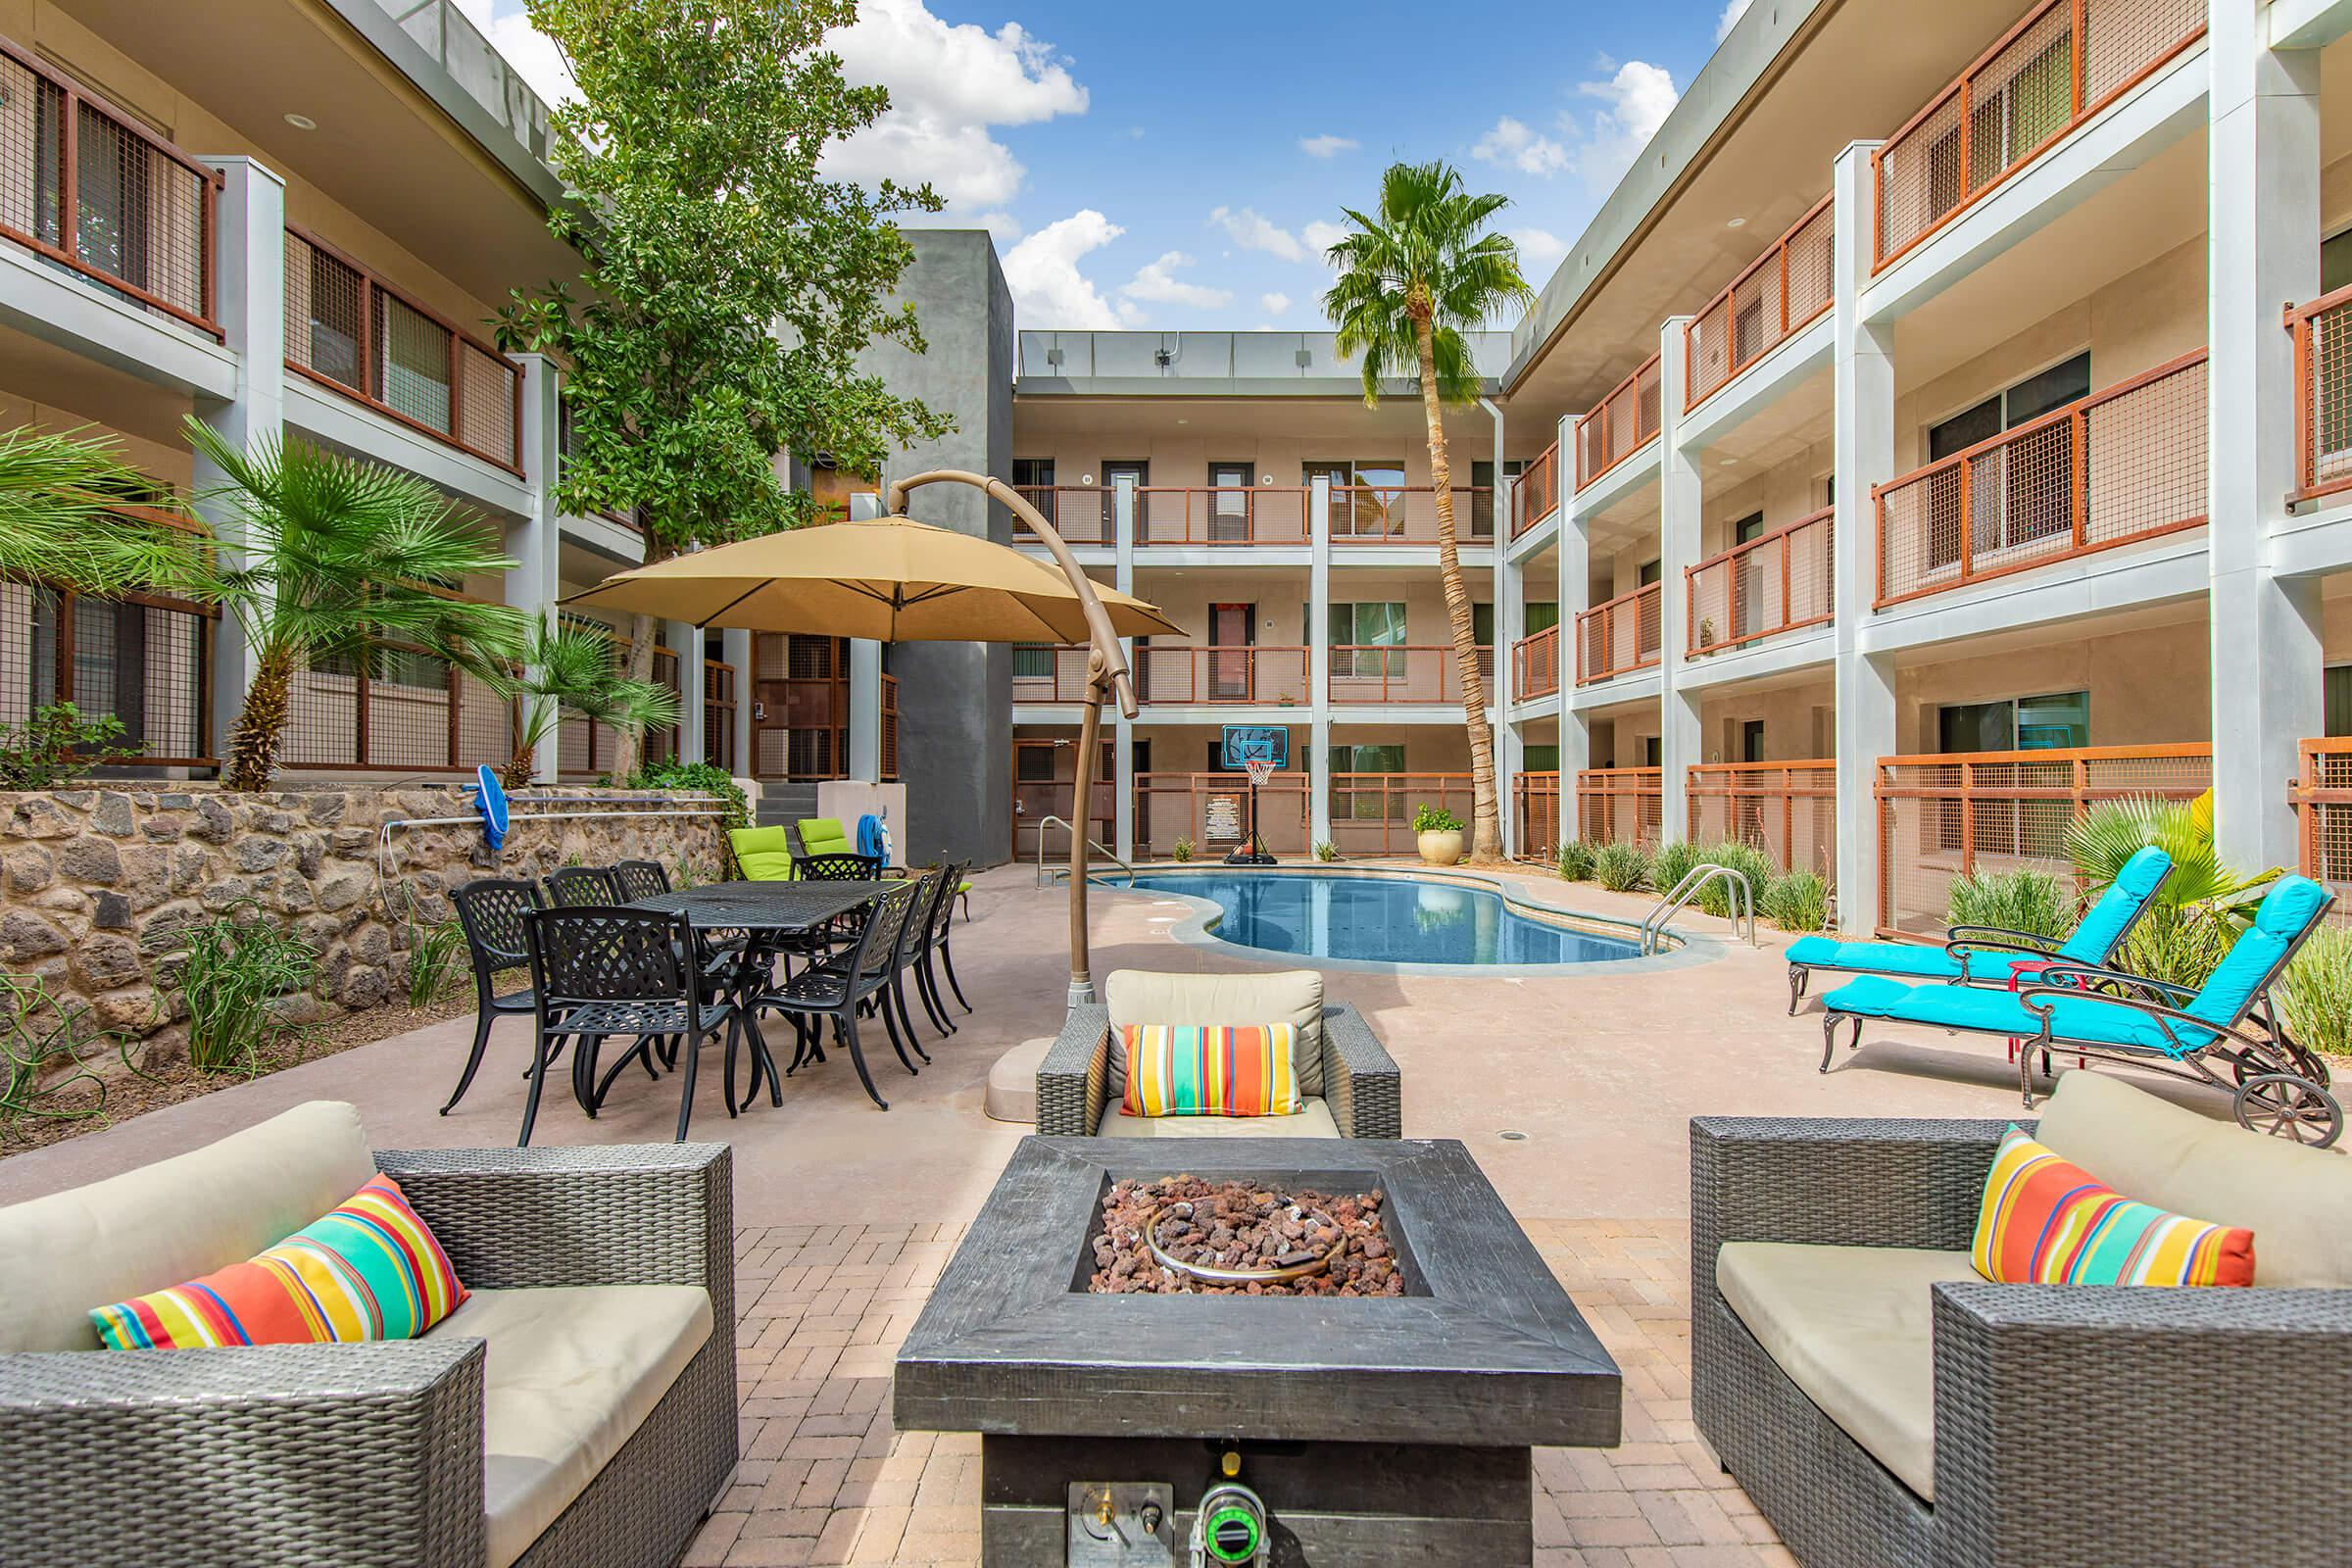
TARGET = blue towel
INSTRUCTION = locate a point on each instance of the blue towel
(874, 839)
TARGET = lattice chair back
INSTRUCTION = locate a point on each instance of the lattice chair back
(491, 913)
(640, 879)
(577, 885)
(890, 921)
(922, 916)
(838, 867)
(943, 912)
(582, 955)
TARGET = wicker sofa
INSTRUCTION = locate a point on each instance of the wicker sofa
(1349, 1081)
(1883, 1405)
(579, 1408)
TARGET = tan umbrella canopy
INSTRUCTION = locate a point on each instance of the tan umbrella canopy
(893, 579)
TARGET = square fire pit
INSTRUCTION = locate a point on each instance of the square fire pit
(1374, 1429)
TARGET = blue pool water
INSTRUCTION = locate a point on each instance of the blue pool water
(1381, 919)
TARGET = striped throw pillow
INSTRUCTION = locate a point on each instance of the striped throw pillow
(2047, 1222)
(369, 1269)
(1189, 1070)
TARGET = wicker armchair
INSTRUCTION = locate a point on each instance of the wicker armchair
(2072, 1425)
(372, 1455)
(1360, 1082)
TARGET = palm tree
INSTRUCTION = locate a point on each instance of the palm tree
(58, 499)
(571, 670)
(1411, 282)
(328, 557)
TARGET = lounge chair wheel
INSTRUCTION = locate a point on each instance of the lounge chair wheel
(2284, 1105)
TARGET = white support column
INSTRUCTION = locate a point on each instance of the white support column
(1318, 661)
(865, 681)
(1122, 730)
(1574, 589)
(2268, 658)
(535, 541)
(1863, 392)
(1681, 496)
(1510, 622)
(251, 299)
(686, 642)
(735, 646)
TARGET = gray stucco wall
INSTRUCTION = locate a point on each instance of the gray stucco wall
(956, 698)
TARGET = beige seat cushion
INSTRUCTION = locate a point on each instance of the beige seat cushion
(1289, 996)
(170, 1222)
(571, 1373)
(1851, 1327)
(2296, 1201)
(1013, 1082)
(1314, 1120)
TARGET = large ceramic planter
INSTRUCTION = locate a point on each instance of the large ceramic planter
(1442, 848)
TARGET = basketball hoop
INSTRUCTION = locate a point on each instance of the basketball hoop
(1261, 769)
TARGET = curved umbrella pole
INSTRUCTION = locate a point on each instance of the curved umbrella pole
(1106, 674)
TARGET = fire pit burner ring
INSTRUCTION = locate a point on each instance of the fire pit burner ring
(1212, 1275)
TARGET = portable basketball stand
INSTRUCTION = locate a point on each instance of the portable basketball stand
(1258, 749)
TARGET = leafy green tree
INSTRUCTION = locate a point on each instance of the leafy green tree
(59, 525)
(571, 670)
(326, 557)
(726, 286)
(1412, 279)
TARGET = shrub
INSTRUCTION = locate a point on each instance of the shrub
(1436, 819)
(1669, 863)
(1797, 902)
(2316, 992)
(2031, 901)
(433, 955)
(2179, 944)
(1325, 849)
(55, 745)
(44, 1056)
(1575, 861)
(1747, 859)
(1182, 849)
(706, 777)
(227, 974)
(1620, 867)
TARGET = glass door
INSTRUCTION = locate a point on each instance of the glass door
(1229, 503)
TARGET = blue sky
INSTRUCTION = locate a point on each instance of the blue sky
(1180, 165)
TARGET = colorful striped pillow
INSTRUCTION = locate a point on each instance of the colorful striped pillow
(369, 1269)
(2046, 1222)
(1189, 1070)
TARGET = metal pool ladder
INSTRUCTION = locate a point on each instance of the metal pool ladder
(1093, 843)
(1661, 915)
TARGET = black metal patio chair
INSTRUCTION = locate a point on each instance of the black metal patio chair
(578, 886)
(640, 879)
(837, 988)
(598, 971)
(947, 954)
(838, 867)
(491, 912)
(933, 904)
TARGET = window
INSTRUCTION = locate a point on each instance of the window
(1648, 574)
(413, 370)
(1482, 625)
(1034, 763)
(2020, 724)
(1653, 750)
(1541, 614)
(1544, 758)
(1748, 528)
(1481, 500)
(1367, 499)
(2335, 262)
(2011, 118)
(1365, 630)
(1372, 802)
(2338, 686)
(2030, 495)
(1032, 474)
(1751, 740)
(1032, 661)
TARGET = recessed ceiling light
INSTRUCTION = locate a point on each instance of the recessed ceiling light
(302, 123)
(1729, 463)
(1736, 222)
(1184, 421)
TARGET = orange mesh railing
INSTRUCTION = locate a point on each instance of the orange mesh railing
(719, 713)
(92, 189)
(1035, 799)
(2322, 795)
(1774, 583)
(1536, 797)
(346, 329)
(1619, 636)
(1407, 514)
(1779, 294)
(2064, 62)
(1050, 673)
(1174, 673)
(1975, 813)
(1535, 666)
(1233, 515)
(1080, 514)
(1787, 811)
(585, 747)
(144, 659)
(1212, 810)
(2121, 466)
(1620, 805)
(1536, 494)
(1620, 425)
(412, 713)
(2322, 332)
(1372, 814)
(1402, 674)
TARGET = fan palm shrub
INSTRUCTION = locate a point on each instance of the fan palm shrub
(326, 557)
(2202, 905)
(60, 524)
(571, 670)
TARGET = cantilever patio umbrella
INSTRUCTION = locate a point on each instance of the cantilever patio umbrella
(893, 579)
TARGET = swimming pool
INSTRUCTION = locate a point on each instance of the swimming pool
(1382, 920)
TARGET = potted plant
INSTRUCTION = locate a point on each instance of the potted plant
(1439, 833)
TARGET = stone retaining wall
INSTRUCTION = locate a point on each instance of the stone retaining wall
(93, 880)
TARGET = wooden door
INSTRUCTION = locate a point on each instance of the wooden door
(1231, 630)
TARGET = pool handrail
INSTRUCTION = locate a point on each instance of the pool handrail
(1662, 914)
(1095, 845)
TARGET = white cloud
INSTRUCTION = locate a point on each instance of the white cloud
(533, 55)
(1274, 304)
(1158, 281)
(1732, 11)
(948, 86)
(1514, 144)
(1048, 289)
(1636, 102)
(1252, 232)
(1321, 236)
(1328, 145)
(1539, 247)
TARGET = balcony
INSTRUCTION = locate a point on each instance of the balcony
(1080, 514)
(1536, 665)
(2322, 331)
(1782, 292)
(1048, 672)
(1618, 637)
(1620, 425)
(1620, 805)
(1235, 515)
(2064, 62)
(1535, 801)
(1368, 515)
(354, 334)
(1778, 582)
(2113, 468)
(1372, 814)
(1536, 495)
(1213, 812)
(1174, 673)
(1788, 811)
(2322, 795)
(89, 189)
(1397, 675)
